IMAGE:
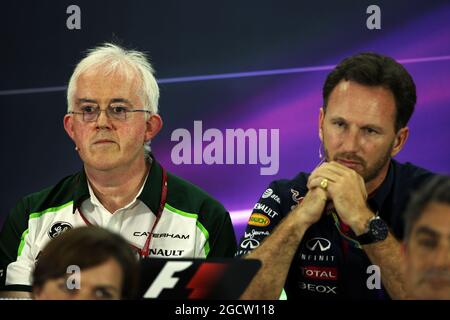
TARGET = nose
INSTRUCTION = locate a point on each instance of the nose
(103, 120)
(350, 141)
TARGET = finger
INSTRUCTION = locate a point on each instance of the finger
(324, 173)
(336, 167)
(363, 187)
(317, 183)
(320, 194)
(339, 167)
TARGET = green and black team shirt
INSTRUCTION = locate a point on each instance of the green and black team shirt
(192, 223)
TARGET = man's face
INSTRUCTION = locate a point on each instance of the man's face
(108, 143)
(428, 254)
(102, 282)
(358, 128)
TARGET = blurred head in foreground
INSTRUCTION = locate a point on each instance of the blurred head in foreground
(427, 242)
(87, 263)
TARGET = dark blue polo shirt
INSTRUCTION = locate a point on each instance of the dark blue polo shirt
(328, 263)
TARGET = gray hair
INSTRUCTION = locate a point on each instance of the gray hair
(112, 58)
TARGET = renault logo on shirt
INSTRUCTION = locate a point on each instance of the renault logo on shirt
(266, 209)
(318, 243)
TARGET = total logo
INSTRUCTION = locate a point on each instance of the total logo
(318, 243)
(269, 194)
(258, 220)
(319, 273)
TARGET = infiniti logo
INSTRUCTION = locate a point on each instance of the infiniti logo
(250, 242)
(322, 243)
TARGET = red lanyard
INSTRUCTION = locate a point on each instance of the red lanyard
(145, 251)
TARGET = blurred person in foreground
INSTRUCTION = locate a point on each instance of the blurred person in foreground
(427, 241)
(86, 263)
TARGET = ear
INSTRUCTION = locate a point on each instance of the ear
(321, 119)
(400, 140)
(68, 126)
(154, 125)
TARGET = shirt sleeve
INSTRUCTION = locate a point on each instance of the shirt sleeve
(265, 216)
(16, 258)
(223, 242)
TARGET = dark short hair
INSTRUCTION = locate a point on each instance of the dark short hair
(436, 190)
(87, 247)
(372, 69)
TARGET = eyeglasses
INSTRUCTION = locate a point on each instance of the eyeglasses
(91, 113)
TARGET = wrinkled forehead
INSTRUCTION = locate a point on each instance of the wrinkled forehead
(362, 104)
(105, 83)
(123, 73)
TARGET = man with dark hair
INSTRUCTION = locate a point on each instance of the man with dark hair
(427, 241)
(328, 234)
(86, 263)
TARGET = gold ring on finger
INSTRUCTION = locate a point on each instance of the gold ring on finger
(324, 184)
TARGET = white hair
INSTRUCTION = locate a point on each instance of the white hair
(112, 58)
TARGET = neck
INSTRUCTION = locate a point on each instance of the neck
(373, 184)
(118, 187)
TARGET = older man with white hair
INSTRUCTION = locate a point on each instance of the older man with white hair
(112, 116)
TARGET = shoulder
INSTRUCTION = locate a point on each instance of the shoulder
(289, 188)
(52, 197)
(187, 197)
(409, 176)
(211, 217)
(280, 197)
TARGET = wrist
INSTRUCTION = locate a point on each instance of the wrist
(361, 224)
(301, 220)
